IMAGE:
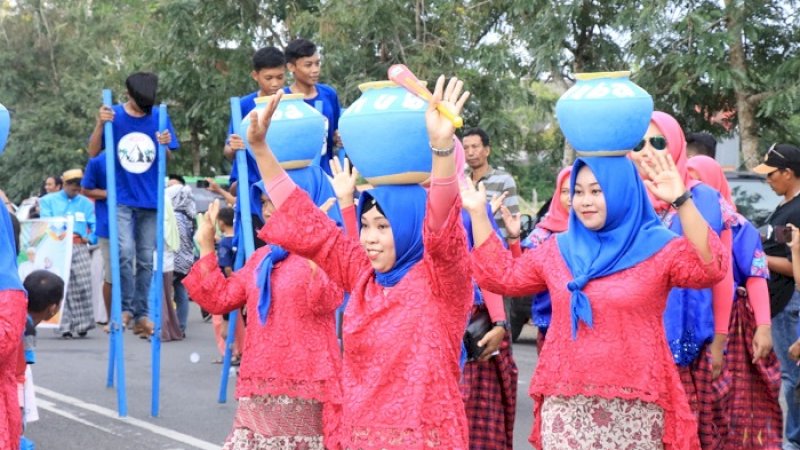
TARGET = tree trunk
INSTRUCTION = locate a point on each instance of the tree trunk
(745, 110)
(195, 152)
(562, 86)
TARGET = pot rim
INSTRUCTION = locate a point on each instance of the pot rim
(595, 75)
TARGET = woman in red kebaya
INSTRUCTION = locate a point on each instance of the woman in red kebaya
(288, 388)
(410, 291)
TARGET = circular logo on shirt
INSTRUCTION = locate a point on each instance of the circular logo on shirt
(136, 152)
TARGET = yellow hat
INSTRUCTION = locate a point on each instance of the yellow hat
(72, 174)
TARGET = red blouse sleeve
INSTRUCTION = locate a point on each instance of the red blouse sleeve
(758, 296)
(494, 268)
(686, 268)
(494, 303)
(13, 310)
(324, 295)
(516, 248)
(207, 286)
(301, 228)
(722, 292)
(350, 223)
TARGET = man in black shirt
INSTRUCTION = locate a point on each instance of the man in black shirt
(782, 168)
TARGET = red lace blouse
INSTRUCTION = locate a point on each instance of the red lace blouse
(401, 344)
(13, 311)
(625, 355)
(296, 352)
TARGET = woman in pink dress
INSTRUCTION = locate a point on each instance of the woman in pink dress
(288, 388)
(606, 379)
(410, 292)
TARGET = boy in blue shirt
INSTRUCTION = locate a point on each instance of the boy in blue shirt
(78, 314)
(269, 72)
(303, 61)
(136, 134)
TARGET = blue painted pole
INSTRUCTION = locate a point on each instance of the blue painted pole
(245, 228)
(116, 353)
(156, 294)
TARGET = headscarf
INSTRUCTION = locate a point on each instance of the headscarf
(182, 199)
(312, 180)
(632, 232)
(404, 208)
(142, 87)
(9, 277)
(557, 217)
(676, 145)
(711, 174)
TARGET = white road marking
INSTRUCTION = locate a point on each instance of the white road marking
(48, 406)
(111, 414)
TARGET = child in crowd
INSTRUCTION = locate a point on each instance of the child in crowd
(226, 255)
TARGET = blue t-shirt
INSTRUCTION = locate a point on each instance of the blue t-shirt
(226, 253)
(136, 168)
(327, 103)
(247, 104)
(94, 177)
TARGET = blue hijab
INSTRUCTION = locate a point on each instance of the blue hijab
(632, 232)
(404, 208)
(312, 180)
(9, 277)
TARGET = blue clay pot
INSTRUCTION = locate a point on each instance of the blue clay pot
(604, 112)
(385, 135)
(5, 126)
(297, 133)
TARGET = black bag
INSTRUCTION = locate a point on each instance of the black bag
(479, 324)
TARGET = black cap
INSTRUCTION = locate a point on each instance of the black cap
(779, 156)
(142, 87)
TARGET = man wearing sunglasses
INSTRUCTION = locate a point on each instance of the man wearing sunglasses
(782, 168)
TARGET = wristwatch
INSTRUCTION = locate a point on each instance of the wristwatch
(682, 199)
(501, 323)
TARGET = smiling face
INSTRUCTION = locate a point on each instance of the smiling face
(377, 240)
(648, 152)
(589, 202)
(50, 185)
(306, 70)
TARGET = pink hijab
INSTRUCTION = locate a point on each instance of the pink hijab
(710, 173)
(676, 145)
(557, 218)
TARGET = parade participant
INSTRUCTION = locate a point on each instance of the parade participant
(754, 367)
(13, 306)
(696, 321)
(269, 73)
(288, 389)
(93, 186)
(182, 200)
(555, 221)
(78, 314)
(410, 292)
(226, 258)
(609, 275)
(304, 62)
(135, 126)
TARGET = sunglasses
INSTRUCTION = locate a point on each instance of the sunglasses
(657, 142)
(772, 150)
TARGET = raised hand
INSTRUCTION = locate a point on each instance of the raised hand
(440, 129)
(513, 223)
(497, 201)
(665, 181)
(207, 229)
(344, 181)
(472, 199)
(259, 123)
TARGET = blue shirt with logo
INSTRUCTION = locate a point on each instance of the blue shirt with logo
(94, 177)
(136, 169)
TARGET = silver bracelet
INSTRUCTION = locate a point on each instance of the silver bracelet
(442, 151)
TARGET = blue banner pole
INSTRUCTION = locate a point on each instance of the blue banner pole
(245, 228)
(116, 354)
(157, 294)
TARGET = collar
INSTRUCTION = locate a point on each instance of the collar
(488, 173)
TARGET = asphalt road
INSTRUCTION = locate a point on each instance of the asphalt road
(77, 411)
